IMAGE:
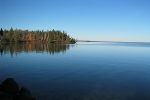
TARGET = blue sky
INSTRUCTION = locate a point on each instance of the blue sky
(113, 20)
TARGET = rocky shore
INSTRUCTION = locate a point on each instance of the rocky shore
(10, 90)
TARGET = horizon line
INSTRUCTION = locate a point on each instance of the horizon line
(112, 41)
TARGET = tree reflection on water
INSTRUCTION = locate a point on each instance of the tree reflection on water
(15, 49)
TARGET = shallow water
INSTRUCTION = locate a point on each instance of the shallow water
(83, 71)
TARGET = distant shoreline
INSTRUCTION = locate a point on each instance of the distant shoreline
(113, 41)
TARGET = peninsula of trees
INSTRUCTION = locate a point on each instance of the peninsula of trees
(18, 36)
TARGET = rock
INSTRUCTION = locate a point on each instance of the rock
(5, 96)
(24, 94)
(10, 86)
(22, 97)
(9, 90)
(25, 91)
(0, 87)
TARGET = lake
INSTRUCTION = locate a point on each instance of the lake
(82, 71)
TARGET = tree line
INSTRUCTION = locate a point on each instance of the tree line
(50, 36)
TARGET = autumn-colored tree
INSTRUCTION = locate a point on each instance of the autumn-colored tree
(51, 36)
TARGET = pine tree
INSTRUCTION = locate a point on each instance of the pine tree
(1, 32)
(52, 36)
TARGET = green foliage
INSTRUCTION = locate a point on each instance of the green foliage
(51, 36)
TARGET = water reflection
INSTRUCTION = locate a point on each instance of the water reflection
(33, 47)
(87, 72)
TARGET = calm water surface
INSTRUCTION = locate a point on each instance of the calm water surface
(84, 71)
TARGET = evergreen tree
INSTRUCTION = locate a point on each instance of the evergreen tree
(1, 32)
(52, 36)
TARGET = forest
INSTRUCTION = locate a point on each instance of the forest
(50, 36)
